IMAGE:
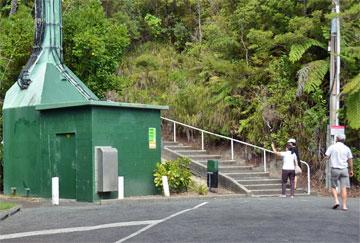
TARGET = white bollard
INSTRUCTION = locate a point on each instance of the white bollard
(120, 187)
(165, 186)
(55, 190)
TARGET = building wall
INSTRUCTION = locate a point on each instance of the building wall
(39, 145)
(127, 130)
(22, 164)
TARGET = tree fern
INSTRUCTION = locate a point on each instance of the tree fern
(353, 110)
(353, 86)
(352, 89)
(311, 75)
(297, 50)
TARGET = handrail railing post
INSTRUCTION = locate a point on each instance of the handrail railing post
(264, 161)
(174, 132)
(308, 175)
(202, 140)
(232, 149)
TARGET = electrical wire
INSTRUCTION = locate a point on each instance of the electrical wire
(24, 80)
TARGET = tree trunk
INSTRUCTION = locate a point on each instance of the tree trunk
(14, 6)
(244, 45)
(199, 20)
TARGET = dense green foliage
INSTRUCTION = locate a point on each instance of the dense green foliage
(93, 44)
(252, 69)
(177, 172)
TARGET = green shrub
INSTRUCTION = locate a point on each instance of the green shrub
(178, 173)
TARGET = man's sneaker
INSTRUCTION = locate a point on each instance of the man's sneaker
(282, 195)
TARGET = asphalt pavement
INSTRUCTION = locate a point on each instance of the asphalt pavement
(223, 219)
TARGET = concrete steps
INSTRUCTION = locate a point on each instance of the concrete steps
(271, 191)
(234, 168)
(263, 186)
(255, 181)
(192, 152)
(204, 156)
(179, 147)
(252, 181)
(221, 162)
(169, 143)
(246, 175)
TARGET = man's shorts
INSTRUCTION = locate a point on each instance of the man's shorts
(341, 175)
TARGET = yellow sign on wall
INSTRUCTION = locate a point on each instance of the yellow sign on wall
(152, 138)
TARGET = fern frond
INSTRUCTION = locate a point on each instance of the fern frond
(311, 75)
(297, 50)
(353, 86)
(353, 110)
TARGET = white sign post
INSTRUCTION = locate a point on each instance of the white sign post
(165, 186)
(55, 190)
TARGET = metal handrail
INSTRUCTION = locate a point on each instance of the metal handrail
(232, 145)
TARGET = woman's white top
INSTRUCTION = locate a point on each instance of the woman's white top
(289, 159)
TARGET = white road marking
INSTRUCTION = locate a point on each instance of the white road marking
(149, 223)
(76, 229)
(159, 221)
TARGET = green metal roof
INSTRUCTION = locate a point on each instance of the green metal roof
(99, 103)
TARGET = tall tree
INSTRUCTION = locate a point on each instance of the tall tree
(14, 5)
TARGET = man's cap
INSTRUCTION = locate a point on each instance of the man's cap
(341, 137)
(291, 140)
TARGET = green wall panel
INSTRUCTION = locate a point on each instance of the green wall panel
(22, 165)
(127, 130)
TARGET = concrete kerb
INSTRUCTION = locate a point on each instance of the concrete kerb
(171, 198)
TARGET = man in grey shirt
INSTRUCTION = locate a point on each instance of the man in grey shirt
(341, 168)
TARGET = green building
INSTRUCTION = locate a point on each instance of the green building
(54, 126)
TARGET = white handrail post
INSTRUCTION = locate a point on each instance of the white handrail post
(232, 149)
(308, 175)
(264, 161)
(174, 132)
(202, 140)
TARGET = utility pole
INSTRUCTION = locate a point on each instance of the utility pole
(334, 79)
(335, 66)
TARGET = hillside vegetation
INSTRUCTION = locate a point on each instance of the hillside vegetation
(257, 70)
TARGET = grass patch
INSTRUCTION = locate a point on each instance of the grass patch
(6, 205)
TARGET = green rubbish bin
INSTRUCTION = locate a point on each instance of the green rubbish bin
(212, 173)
